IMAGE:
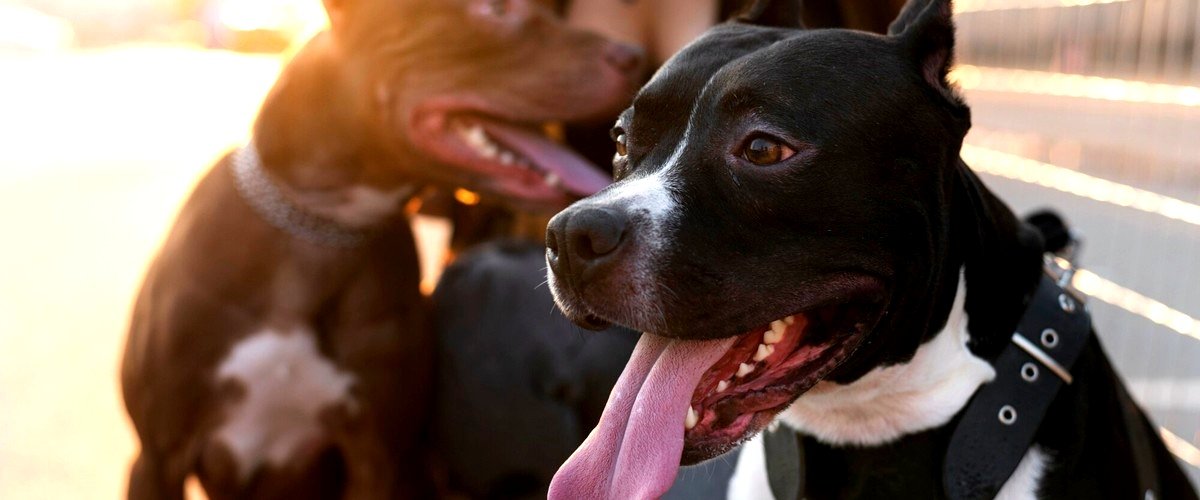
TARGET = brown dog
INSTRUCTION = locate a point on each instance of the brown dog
(278, 347)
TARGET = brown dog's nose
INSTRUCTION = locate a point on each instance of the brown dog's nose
(579, 239)
(624, 57)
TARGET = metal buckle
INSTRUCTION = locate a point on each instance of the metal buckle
(1062, 271)
(1041, 356)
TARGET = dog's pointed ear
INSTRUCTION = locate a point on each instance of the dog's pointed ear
(926, 30)
(774, 13)
(336, 11)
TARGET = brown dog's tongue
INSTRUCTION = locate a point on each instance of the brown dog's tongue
(577, 174)
(634, 451)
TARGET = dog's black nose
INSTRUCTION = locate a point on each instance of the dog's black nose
(579, 238)
(624, 57)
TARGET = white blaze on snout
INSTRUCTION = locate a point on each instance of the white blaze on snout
(651, 210)
(647, 201)
(287, 382)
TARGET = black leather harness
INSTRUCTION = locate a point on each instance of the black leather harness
(998, 425)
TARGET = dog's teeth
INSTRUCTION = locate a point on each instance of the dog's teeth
(552, 180)
(489, 151)
(763, 351)
(722, 385)
(474, 135)
(772, 337)
(507, 158)
(789, 320)
(744, 369)
(779, 327)
(691, 419)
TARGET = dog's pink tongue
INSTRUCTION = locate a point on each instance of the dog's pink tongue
(576, 173)
(634, 452)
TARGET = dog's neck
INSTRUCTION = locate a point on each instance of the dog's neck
(892, 401)
(991, 269)
(1002, 258)
(317, 140)
(262, 192)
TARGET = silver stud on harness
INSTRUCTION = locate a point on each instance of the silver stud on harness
(1049, 338)
(1007, 415)
(1029, 372)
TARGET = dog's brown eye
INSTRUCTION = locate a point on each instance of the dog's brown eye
(766, 151)
(622, 148)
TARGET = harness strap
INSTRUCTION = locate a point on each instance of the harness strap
(785, 462)
(999, 423)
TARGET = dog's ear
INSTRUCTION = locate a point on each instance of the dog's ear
(925, 29)
(336, 10)
(774, 13)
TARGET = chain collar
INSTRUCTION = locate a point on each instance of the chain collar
(259, 190)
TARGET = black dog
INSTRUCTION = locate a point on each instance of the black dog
(519, 385)
(792, 218)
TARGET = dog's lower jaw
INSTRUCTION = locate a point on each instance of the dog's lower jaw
(892, 401)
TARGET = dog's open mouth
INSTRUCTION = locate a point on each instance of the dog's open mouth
(506, 157)
(765, 371)
(685, 401)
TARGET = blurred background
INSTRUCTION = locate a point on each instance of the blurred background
(110, 111)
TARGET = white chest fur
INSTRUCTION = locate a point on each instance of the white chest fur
(892, 401)
(286, 383)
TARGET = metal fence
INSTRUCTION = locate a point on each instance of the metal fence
(1093, 107)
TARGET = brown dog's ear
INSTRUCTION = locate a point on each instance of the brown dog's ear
(926, 30)
(774, 13)
(336, 10)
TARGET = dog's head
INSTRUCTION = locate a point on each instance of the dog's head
(462, 88)
(783, 214)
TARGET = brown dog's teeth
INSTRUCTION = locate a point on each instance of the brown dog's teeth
(691, 419)
(552, 180)
(789, 320)
(477, 139)
(722, 385)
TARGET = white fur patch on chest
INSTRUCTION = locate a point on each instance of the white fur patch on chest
(287, 383)
(892, 401)
(749, 480)
(1024, 482)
